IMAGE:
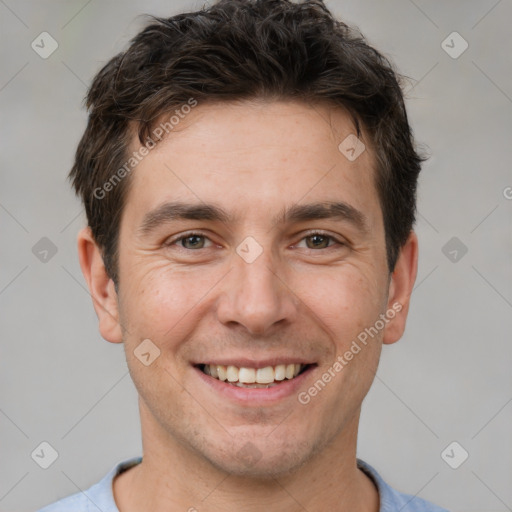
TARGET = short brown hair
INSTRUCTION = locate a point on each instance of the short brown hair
(237, 50)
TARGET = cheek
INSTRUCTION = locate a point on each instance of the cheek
(162, 303)
(345, 301)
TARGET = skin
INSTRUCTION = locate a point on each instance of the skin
(303, 297)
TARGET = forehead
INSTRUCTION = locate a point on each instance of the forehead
(252, 156)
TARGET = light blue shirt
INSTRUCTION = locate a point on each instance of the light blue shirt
(101, 497)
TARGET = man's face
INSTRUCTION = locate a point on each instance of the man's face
(267, 283)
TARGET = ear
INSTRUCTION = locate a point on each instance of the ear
(101, 287)
(400, 289)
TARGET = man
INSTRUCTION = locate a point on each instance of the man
(249, 178)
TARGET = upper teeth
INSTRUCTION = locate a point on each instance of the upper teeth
(253, 375)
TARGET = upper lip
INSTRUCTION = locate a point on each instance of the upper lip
(252, 363)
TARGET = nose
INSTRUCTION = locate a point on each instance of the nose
(256, 296)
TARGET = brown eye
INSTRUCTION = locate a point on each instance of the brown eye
(318, 241)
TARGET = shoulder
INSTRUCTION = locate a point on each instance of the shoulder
(97, 497)
(77, 502)
(392, 500)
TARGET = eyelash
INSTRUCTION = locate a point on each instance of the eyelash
(307, 235)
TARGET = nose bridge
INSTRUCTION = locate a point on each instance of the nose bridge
(255, 295)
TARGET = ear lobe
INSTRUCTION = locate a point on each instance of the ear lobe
(101, 286)
(400, 289)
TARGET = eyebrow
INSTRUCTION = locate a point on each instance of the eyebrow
(173, 211)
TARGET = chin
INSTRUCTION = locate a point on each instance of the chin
(259, 459)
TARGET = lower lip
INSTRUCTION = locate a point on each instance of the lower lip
(256, 396)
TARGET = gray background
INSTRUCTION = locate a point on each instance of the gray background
(447, 380)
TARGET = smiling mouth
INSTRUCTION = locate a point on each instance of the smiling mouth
(266, 377)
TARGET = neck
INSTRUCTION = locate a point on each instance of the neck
(173, 477)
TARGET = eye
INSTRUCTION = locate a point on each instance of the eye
(190, 241)
(194, 241)
(318, 240)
